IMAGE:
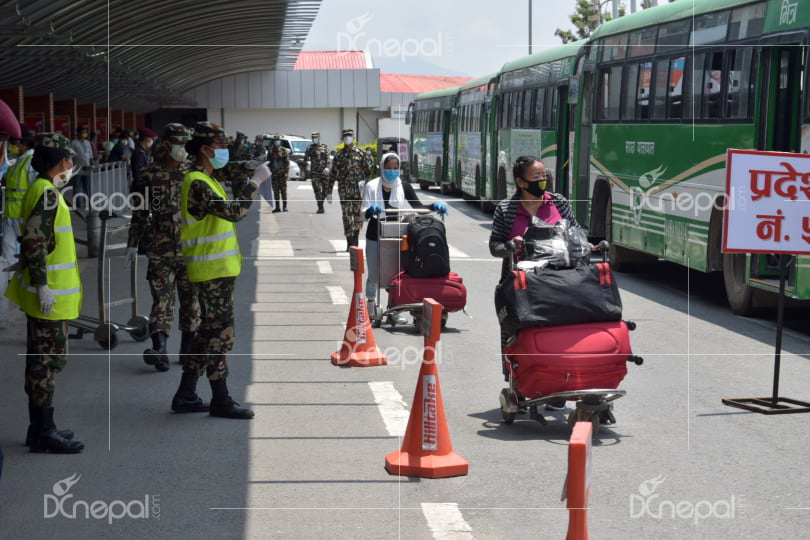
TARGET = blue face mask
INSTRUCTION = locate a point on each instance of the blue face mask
(220, 159)
(390, 174)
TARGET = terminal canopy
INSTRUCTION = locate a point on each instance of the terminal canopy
(142, 54)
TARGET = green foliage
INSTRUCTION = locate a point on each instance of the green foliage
(582, 28)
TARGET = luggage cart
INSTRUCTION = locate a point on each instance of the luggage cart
(105, 331)
(389, 262)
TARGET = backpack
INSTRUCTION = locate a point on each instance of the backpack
(428, 253)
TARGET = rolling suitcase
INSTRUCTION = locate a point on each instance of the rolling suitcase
(448, 290)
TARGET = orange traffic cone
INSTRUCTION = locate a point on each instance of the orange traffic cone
(359, 348)
(426, 448)
(577, 484)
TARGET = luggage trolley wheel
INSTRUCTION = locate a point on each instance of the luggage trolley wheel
(444, 320)
(105, 336)
(140, 328)
(509, 406)
(582, 415)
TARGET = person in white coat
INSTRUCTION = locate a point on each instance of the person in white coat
(387, 191)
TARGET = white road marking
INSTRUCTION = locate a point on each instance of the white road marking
(305, 187)
(456, 253)
(446, 522)
(324, 267)
(274, 248)
(338, 295)
(392, 407)
(340, 245)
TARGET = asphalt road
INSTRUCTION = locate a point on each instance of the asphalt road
(310, 465)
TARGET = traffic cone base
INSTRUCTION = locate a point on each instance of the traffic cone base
(401, 463)
(360, 359)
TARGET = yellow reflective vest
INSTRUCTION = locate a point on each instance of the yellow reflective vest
(210, 246)
(16, 186)
(61, 264)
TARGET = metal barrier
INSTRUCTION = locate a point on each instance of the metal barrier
(109, 187)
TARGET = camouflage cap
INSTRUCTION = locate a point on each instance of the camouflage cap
(210, 133)
(176, 133)
(276, 136)
(316, 134)
(54, 140)
(349, 132)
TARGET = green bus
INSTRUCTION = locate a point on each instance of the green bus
(431, 117)
(666, 91)
(474, 127)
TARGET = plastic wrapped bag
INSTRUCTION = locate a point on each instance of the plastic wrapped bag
(557, 246)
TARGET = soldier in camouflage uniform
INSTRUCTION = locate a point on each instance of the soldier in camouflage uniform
(239, 149)
(47, 339)
(279, 161)
(350, 167)
(318, 158)
(215, 336)
(160, 186)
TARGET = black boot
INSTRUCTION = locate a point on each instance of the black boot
(186, 399)
(66, 433)
(46, 438)
(156, 356)
(285, 204)
(186, 339)
(278, 208)
(223, 406)
(320, 208)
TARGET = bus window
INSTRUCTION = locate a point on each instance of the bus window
(507, 110)
(695, 90)
(615, 48)
(710, 28)
(516, 104)
(677, 70)
(555, 96)
(740, 83)
(674, 36)
(611, 89)
(525, 122)
(661, 87)
(630, 91)
(642, 42)
(747, 22)
(712, 85)
(539, 103)
(644, 85)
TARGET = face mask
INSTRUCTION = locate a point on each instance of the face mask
(276, 143)
(220, 159)
(13, 151)
(62, 179)
(537, 188)
(315, 140)
(389, 177)
(84, 135)
(348, 139)
(150, 143)
(178, 152)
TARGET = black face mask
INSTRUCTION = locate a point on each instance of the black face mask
(536, 188)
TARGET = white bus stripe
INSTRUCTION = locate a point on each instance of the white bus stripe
(446, 522)
(392, 407)
(338, 295)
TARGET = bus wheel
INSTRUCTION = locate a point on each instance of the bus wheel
(740, 295)
(424, 186)
(621, 258)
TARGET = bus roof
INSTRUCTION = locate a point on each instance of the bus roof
(480, 81)
(546, 55)
(664, 13)
(444, 92)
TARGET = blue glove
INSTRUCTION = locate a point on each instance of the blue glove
(441, 209)
(375, 210)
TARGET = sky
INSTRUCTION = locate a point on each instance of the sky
(439, 37)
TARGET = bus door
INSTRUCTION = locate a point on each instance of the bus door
(448, 123)
(583, 179)
(562, 184)
(485, 135)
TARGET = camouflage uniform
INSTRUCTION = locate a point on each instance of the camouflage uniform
(318, 157)
(166, 271)
(239, 150)
(279, 162)
(349, 168)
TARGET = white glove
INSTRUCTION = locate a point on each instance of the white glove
(261, 174)
(327, 171)
(130, 257)
(46, 299)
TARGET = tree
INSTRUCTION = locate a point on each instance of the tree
(582, 28)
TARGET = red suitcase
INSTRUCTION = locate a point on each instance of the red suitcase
(547, 360)
(448, 290)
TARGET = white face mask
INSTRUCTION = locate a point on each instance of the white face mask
(315, 140)
(62, 179)
(149, 143)
(178, 152)
(348, 139)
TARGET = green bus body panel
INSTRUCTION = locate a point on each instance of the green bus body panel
(775, 22)
(664, 13)
(647, 173)
(547, 55)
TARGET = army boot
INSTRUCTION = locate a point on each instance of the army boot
(46, 438)
(66, 433)
(186, 399)
(320, 208)
(223, 406)
(186, 339)
(157, 356)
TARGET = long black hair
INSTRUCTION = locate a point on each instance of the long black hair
(522, 165)
(46, 158)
